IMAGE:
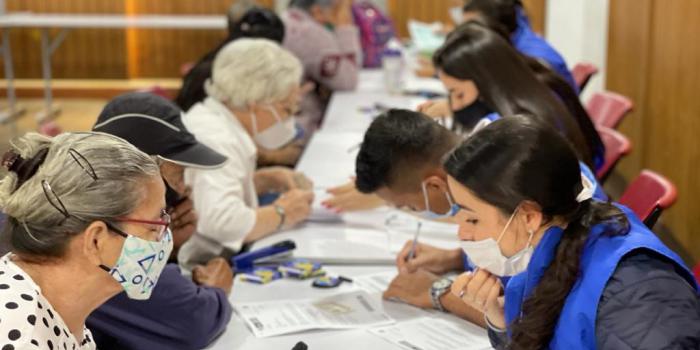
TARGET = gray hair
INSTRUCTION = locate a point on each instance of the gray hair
(95, 176)
(250, 71)
(307, 4)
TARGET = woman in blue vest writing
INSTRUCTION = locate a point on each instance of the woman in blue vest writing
(556, 269)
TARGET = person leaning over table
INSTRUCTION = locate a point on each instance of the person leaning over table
(508, 18)
(83, 210)
(182, 313)
(322, 34)
(552, 267)
(253, 93)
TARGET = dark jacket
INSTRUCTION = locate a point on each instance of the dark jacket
(646, 304)
(179, 315)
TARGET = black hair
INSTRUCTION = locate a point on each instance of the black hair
(258, 22)
(570, 98)
(397, 145)
(499, 15)
(505, 81)
(517, 159)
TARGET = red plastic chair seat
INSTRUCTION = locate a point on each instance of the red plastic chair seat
(608, 108)
(617, 146)
(583, 72)
(648, 195)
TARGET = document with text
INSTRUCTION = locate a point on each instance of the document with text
(342, 311)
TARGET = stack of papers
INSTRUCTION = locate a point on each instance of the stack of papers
(431, 333)
(341, 311)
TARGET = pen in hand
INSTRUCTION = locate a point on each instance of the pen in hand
(412, 253)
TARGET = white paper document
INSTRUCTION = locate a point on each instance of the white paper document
(341, 311)
(429, 333)
(375, 283)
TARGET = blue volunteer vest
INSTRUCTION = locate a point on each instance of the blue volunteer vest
(601, 255)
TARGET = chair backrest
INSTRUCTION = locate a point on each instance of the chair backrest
(648, 195)
(608, 108)
(617, 146)
(583, 72)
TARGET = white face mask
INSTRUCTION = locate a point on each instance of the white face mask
(140, 263)
(429, 214)
(486, 254)
(457, 15)
(277, 135)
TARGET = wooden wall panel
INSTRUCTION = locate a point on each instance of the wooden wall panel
(160, 53)
(628, 50)
(673, 111)
(427, 11)
(653, 58)
(537, 11)
(116, 53)
(86, 53)
(437, 10)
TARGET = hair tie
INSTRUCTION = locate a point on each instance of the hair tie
(25, 168)
(10, 159)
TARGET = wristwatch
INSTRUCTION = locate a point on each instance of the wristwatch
(437, 290)
(283, 216)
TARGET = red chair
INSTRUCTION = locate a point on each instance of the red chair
(608, 108)
(648, 195)
(583, 72)
(617, 146)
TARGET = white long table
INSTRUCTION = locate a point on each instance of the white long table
(328, 160)
(67, 22)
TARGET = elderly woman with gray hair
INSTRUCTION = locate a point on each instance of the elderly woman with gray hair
(86, 220)
(252, 95)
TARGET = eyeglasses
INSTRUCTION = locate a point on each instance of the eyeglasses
(162, 224)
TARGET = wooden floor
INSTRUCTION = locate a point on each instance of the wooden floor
(76, 115)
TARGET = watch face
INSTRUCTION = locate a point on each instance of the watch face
(443, 283)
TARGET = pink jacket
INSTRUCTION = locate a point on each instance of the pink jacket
(331, 59)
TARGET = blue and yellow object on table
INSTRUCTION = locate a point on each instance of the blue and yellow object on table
(261, 275)
(301, 269)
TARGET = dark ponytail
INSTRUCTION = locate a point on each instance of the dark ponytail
(534, 330)
(518, 159)
(572, 102)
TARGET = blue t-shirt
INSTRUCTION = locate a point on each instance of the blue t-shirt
(179, 315)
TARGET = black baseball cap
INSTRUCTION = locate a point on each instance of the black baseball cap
(154, 125)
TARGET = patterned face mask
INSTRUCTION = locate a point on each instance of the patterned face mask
(140, 263)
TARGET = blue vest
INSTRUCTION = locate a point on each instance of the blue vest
(530, 44)
(601, 255)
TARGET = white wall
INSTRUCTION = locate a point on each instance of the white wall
(579, 30)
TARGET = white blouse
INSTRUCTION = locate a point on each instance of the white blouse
(27, 319)
(225, 198)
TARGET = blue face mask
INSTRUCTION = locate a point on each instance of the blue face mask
(429, 214)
